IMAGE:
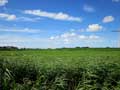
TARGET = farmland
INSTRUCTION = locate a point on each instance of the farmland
(60, 69)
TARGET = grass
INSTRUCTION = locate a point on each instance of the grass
(60, 69)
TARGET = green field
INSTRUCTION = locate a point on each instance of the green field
(60, 69)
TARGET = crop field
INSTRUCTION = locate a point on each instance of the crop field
(60, 69)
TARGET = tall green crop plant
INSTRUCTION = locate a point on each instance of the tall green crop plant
(1, 73)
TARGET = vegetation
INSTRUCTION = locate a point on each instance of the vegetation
(8, 48)
(60, 69)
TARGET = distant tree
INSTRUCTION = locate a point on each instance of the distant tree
(85, 47)
(8, 48)
(77, 47)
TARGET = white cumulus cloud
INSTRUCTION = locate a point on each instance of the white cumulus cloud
(94, 27)
(88, 8)
(3, 2)
(115, 0)
(72, 37)
(20, 30)
(8, 17)
(108, 19)
(51, 15)
(12, 17)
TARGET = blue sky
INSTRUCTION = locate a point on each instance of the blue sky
(59, 23)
